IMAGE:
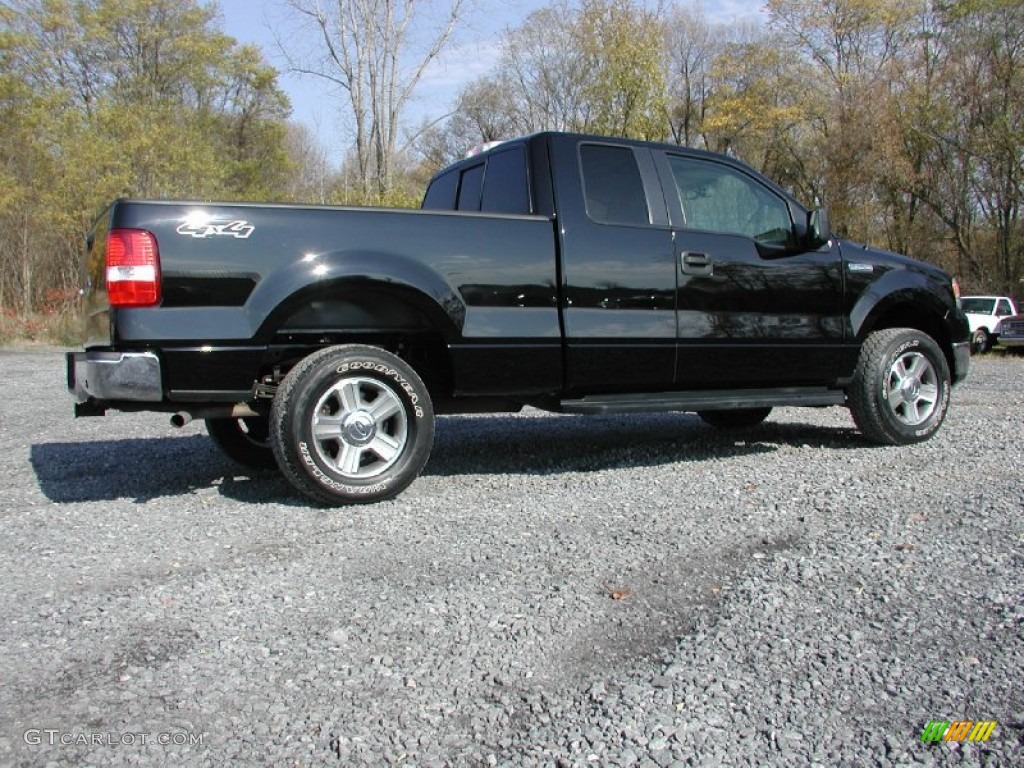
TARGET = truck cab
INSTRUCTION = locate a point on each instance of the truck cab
(686, 270)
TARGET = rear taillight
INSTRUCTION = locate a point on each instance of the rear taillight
(133, 268)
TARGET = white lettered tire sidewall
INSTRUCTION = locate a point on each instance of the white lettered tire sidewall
(300, 400)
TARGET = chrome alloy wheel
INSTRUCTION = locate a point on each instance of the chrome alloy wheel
(360, 427)
(913, 387)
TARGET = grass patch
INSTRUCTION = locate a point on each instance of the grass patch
(57, 327)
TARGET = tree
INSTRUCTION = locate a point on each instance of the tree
(988, 38)
(371, 51)
(543, 72)
(622, 46)
(311, 178)
(594, 68)
(848, 46)
(953, 171)
(104, 98)
(909, 116)
(693, 44)
(757, 110)
(483, 113)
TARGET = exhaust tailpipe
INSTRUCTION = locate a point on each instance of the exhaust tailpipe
(236, 411)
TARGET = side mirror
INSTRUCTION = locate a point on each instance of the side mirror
(819, 231)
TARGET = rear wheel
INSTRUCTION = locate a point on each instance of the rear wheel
(900, 389)
(739, 418)
(245, 441)
(352, 425)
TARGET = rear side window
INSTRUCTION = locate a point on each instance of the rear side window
(978, 306)
(441, 193)
(502, 187)
(506, 189)
(469, 188)
(613, 186)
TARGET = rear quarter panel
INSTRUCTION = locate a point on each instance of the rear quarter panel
(487, 281)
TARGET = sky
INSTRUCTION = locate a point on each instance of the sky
(471, 53)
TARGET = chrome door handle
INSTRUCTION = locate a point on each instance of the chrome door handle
(696, 263)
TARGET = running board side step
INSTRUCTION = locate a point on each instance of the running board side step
(706, 400)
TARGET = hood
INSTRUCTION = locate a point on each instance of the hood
(854, 252)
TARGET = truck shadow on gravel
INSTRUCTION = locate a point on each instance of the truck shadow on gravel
(143, 469)
(549, 445)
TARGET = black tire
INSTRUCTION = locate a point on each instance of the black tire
(351, 425)
(980, 342)
(244, 441)
(900, 388)
(738, 418)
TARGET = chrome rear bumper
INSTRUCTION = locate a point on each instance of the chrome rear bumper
(133, 376)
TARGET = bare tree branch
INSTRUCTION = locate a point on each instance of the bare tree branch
(367, 47)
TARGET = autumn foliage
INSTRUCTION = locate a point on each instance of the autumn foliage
(904, 117)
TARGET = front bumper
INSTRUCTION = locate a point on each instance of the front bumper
(1012, 337)
(961, 361)
(1011, 332)
(107, 376)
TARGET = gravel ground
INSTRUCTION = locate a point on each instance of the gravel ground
(554, 591)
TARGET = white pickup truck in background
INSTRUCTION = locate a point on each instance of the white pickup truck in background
(985, 313)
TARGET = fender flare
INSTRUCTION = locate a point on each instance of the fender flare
(898, 288)
(288, 288)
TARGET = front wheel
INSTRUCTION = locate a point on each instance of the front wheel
(351, 425)
(900, 389)
(980, 342)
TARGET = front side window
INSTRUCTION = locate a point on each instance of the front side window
(613, 186)
(717, 198)
(1003, 310)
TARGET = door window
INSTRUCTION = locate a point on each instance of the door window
(717, 198)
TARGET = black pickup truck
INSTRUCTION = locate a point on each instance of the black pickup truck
(572, 273)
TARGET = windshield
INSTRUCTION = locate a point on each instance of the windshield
(978, 306)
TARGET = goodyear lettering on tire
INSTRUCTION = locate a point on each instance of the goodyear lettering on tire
(390, 373)
(323, 479)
